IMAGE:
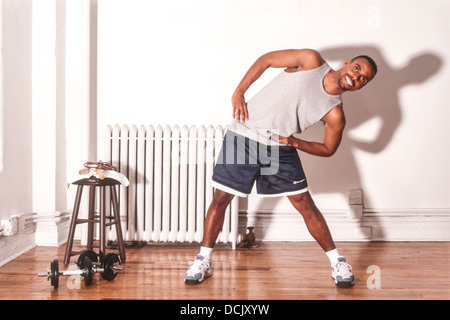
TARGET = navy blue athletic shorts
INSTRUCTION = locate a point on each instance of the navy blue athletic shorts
(277, 170)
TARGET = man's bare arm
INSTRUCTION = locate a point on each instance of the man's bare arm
(334, 127)
(291, 58)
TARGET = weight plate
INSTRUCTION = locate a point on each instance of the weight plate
(87, 271)
(86, 253)
(54, 269)
(110, 260)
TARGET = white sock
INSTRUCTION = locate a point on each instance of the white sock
(206, 252)
(333, 255)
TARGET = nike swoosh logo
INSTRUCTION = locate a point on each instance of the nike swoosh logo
(297, 182)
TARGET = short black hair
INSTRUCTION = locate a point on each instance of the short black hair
(370, 60)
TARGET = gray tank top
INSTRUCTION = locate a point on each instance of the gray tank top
(290, 103)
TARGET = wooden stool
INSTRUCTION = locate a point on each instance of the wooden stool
(94, 182)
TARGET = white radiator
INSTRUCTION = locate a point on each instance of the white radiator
(169, 170)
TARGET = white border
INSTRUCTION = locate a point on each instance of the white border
(290, 193)
(228, 189)
(217, 185)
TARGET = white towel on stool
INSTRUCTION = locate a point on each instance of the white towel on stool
(107, 173)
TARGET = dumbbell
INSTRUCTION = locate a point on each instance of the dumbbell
(86, 268)
(53, 273)
(107, 267)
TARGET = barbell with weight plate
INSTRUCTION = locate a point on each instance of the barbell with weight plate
(87, 268)
(53, 273)
(110, 263)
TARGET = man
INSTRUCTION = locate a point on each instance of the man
(259, 144)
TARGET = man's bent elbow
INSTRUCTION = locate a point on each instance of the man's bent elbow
(329, 152)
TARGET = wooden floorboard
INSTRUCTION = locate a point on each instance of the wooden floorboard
(274, 271)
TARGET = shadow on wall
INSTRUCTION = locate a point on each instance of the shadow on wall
(380, 99)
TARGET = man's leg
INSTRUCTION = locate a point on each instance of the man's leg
(314, 220)
(201, 267)
(215, 217)
(318, 228)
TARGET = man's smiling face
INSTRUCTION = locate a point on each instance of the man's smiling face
(355, 74)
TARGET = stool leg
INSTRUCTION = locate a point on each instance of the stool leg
(90, 235)
(118, 224)
(102, 223)
(73, 224)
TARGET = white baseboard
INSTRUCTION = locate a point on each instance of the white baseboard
(12, 247)
(52, 234)
(408, 225)
(49, 231)
(374, 225)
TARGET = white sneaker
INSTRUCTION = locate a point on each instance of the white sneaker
(342, 273)
(200, 270)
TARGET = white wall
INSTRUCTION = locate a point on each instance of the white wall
(167, 62)
(178, 62)
(16, 174)
(48, 109)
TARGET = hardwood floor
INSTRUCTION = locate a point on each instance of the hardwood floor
(274, 271)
